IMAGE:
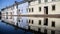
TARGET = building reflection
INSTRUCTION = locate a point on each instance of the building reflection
(46, 25)
(44, 31)
(23, 22)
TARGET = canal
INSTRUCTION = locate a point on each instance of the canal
(29, 25)
(9, 29)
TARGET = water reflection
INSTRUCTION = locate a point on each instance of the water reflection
(42, 25)
(23, 22)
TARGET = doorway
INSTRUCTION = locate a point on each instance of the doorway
(46, 10)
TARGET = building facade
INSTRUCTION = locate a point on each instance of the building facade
(10, 10)
(34, 7)
(23, 8)
(44, 7)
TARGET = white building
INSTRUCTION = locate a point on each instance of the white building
(3, 11)
(23, 7)
(42, 7)
(10, 10)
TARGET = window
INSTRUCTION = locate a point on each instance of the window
(46, 0)
(6, 17)
(32, 9)
(32, 0)
(29, 10)
(39, 8)
(21, 20)
(32, 21)
(18, 20)
(39, 22)
(29, 21)
(52, 32)
(46, 21)
(11, 17)
(39, 1)
(39, 29)
(17, 6)
(46, 9)
(53, 7)
(11, 13)
(12, 8)
(6, 12)
(53, 23)
(45, 31)
(53, 0)
(19, 10)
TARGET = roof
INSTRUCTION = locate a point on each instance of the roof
(16, 3)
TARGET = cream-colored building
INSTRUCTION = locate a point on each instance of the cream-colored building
(42, 7)
(35, 7)
(46, 23)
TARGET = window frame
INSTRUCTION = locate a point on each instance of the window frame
(53, 7)
(39, 9)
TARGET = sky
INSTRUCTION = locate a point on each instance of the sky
(4, 3)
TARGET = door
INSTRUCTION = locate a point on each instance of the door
(46, 10)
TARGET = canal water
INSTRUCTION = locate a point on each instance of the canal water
(29, 25)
